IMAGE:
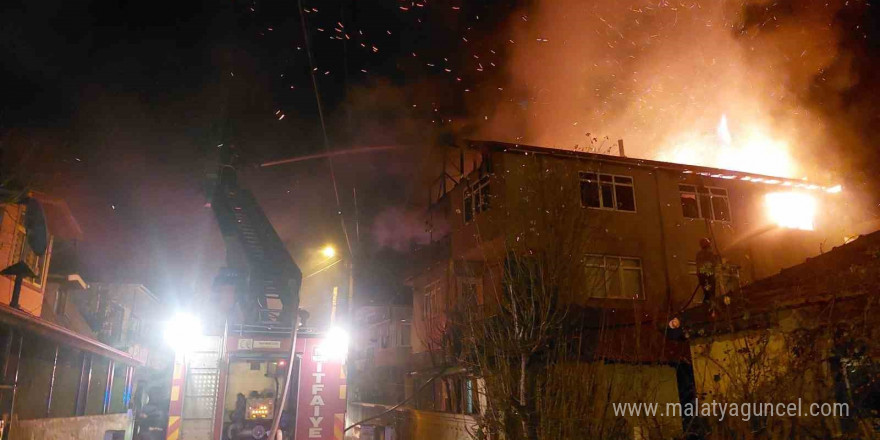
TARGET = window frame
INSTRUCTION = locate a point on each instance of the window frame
(429, 306)
(708, 192)
(21, 251)
(728, 271)
(477, 285)
(482, 188)
(583, 177)
(400, 334)
(619, 272)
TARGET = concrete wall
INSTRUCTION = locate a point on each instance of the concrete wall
(438, 426)
(71, 428)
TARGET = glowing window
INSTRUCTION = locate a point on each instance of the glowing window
(704, 202)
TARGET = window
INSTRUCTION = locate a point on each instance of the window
(729, 281)
(430, 303)
(614, 277)
(457, 394)
(471, 404)
(21, 250)
(476, 198)
(60, 302)
(384, 337)
(403, 335)
(704, 202)
(469, 294)
(604, 191)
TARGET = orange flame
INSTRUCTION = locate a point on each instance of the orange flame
(749, 150)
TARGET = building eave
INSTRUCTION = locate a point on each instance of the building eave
(647, 163)
(28, 323)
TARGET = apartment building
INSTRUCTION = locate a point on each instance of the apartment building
(640, 222)
(379, 359)
(57, 382)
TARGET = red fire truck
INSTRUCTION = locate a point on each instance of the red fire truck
(241, 385)
(230, 387)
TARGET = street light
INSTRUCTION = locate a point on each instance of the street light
(183, 331)
(328, 251)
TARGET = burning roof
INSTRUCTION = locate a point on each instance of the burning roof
(647, 163)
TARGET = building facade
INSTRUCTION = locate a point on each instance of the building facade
(56, 381)
(637, 224)
(801, 337)
(379, 362)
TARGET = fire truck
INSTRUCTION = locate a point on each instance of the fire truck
(267, 372)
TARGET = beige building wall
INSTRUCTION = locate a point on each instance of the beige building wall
(88, 427)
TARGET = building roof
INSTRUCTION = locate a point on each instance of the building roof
(59, 218)
(28, 323)
(847, 272)
(647, 163)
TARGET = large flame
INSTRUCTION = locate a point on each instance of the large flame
(750, 149)
(792, 210)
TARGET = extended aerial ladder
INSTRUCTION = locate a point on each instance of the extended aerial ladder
(266, 284)
(257, 262)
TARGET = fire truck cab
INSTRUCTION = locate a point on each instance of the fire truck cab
(229, 387)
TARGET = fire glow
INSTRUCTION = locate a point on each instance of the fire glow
(792, 210)
(750, 149)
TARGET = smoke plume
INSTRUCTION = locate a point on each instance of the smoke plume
(661, 75)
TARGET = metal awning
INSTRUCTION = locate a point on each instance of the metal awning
(26, 322)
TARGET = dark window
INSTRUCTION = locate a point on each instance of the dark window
(624, 198)
(404, 335)
(689, 205)
(614, 277)
(704, 202)
(605, 191)
(476, 198)
(21, 250)
(590, 191)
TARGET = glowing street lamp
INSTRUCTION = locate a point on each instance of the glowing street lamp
(328, 251)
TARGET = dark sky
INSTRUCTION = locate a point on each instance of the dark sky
(116, 105)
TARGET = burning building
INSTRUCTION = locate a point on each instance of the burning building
(615, 238)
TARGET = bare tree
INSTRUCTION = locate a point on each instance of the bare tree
(821, 352)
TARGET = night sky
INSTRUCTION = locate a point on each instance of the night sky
(118, 105)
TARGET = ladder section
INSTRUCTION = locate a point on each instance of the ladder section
(202, 390)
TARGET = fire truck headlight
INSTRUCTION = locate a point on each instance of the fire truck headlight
(182, 331)
(336, 343)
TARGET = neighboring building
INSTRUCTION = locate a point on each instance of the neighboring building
(56, 382)
(379, 359)
(124, 316)
(804, 335)
(644, 221)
